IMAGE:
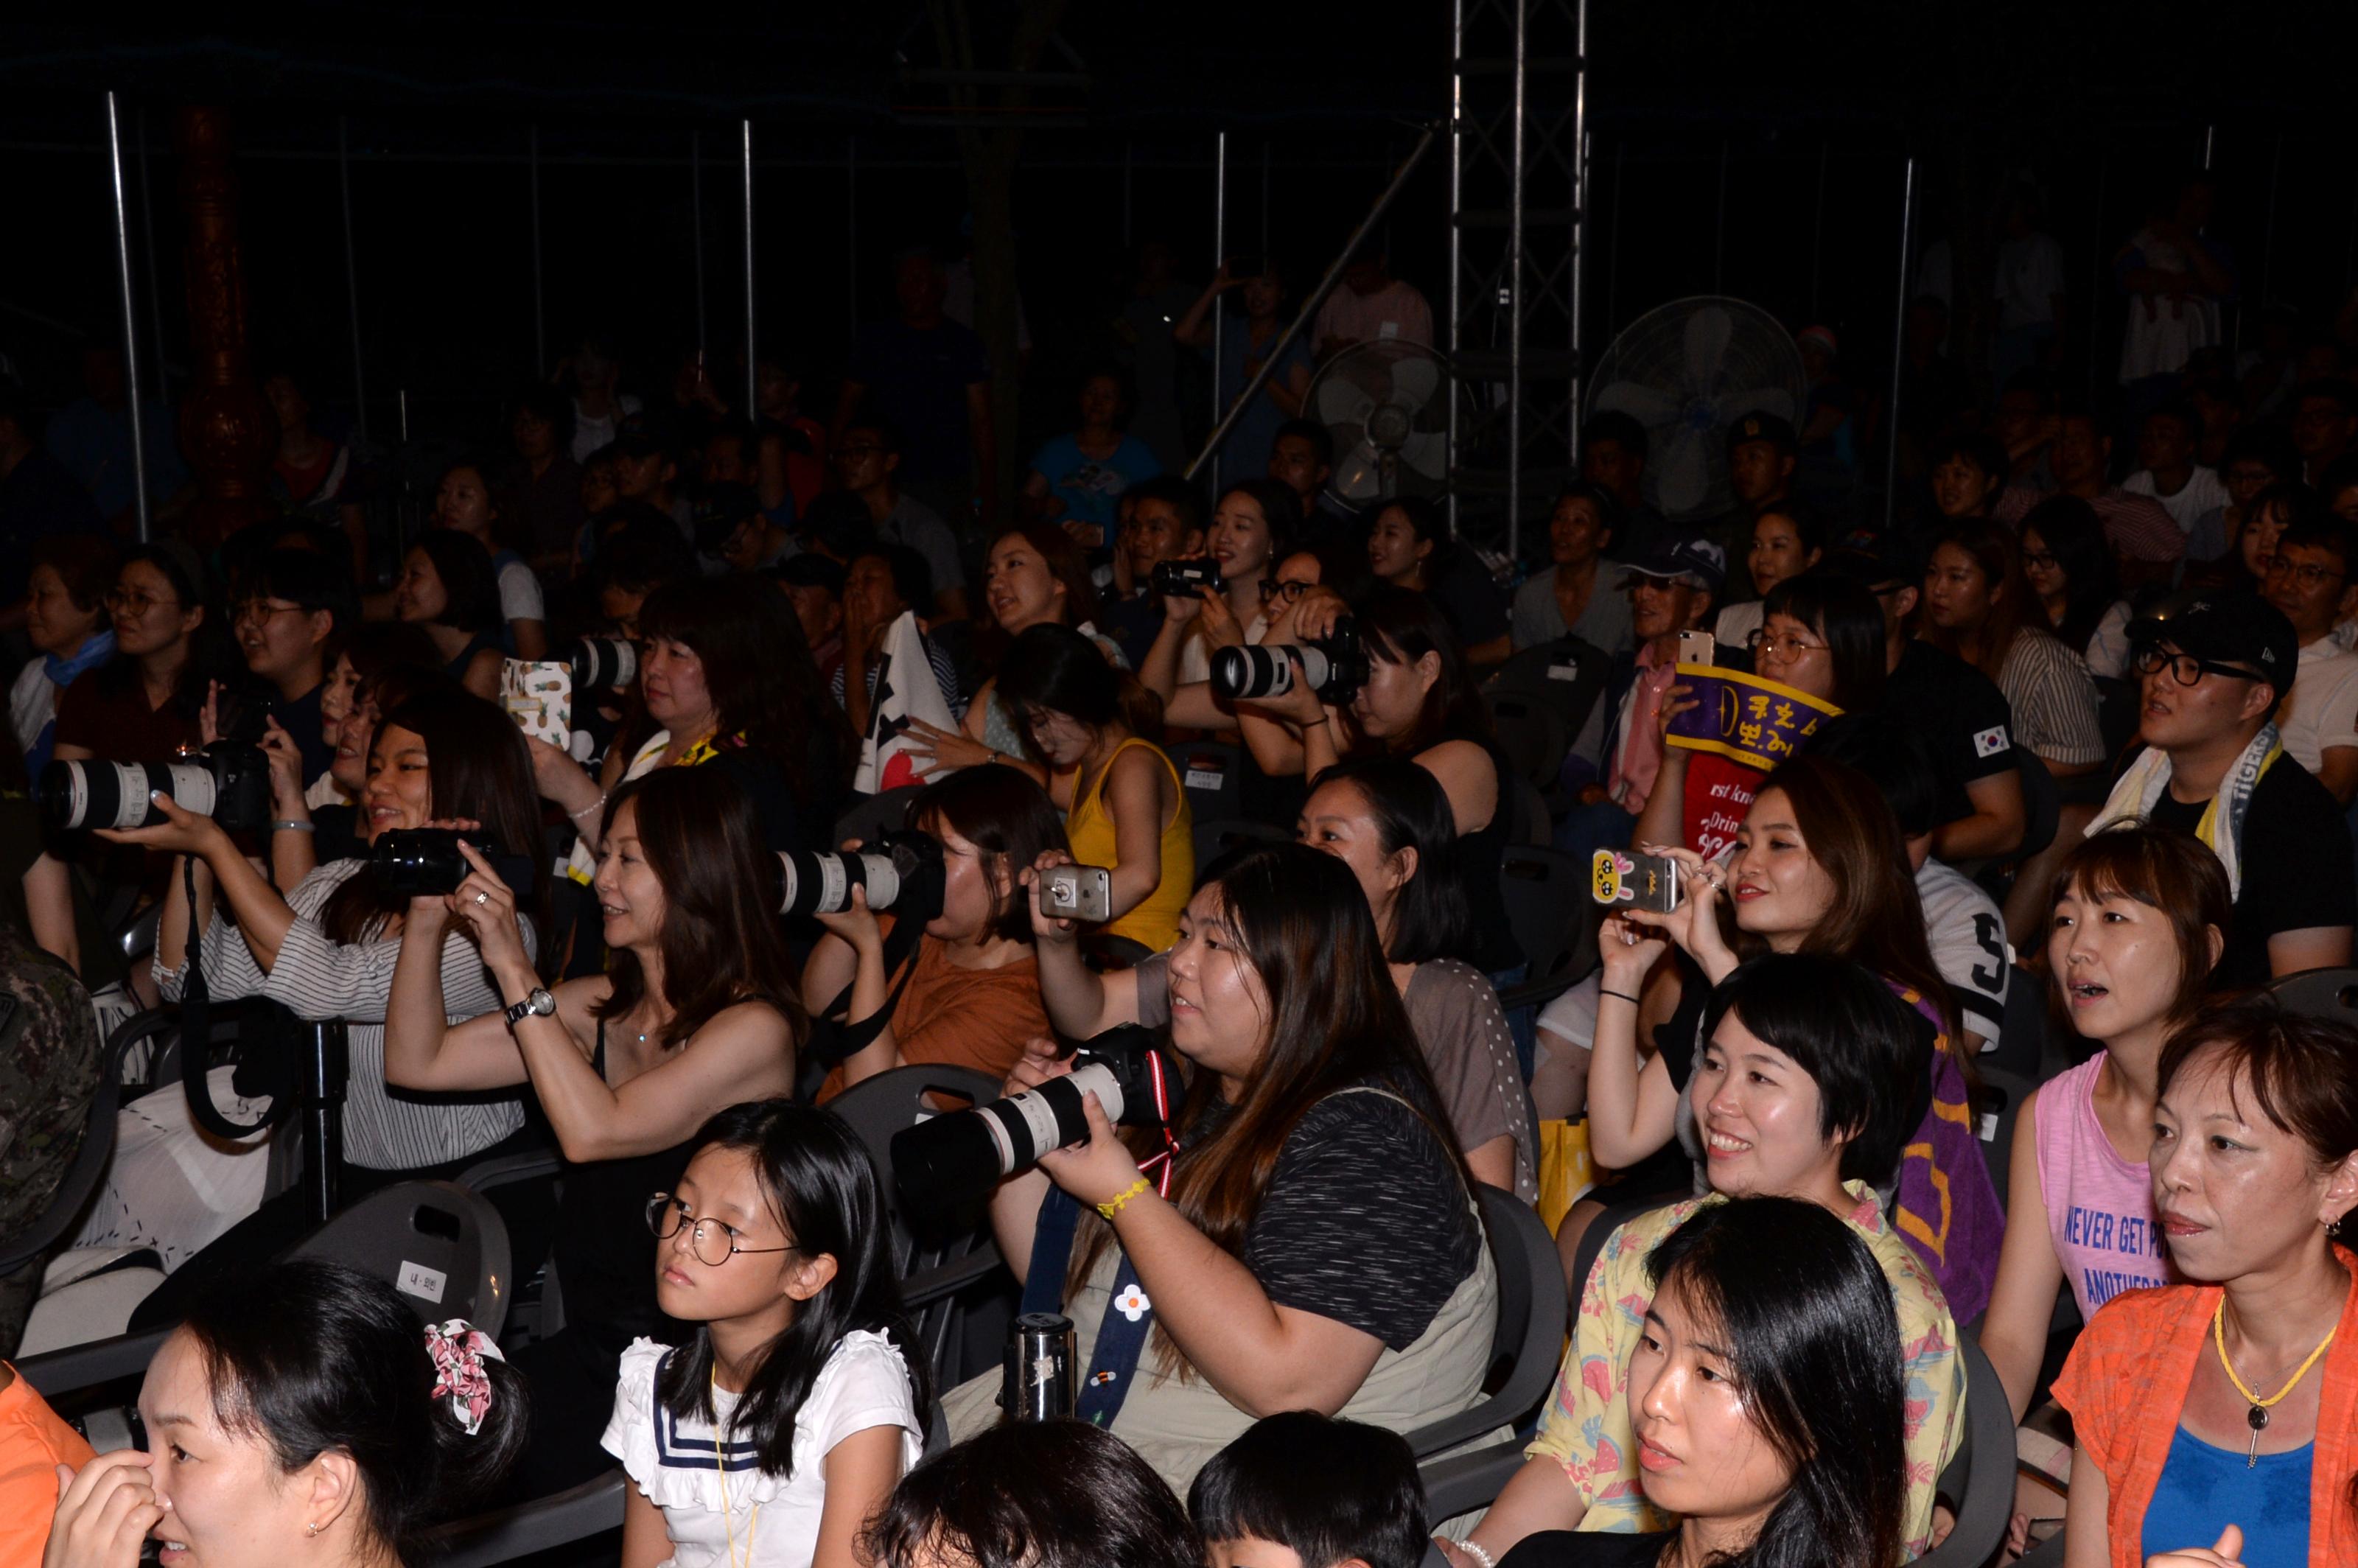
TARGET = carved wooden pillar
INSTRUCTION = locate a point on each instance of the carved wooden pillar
(227, 432)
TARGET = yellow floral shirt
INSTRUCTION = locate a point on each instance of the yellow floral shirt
(1586, 1427)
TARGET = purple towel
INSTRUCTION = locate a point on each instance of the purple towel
(1947, 1208)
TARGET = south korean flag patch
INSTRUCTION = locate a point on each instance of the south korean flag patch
(1989, 742)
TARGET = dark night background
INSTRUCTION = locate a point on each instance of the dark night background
(2102, 104)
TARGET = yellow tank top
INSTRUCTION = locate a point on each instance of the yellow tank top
(1089, 828)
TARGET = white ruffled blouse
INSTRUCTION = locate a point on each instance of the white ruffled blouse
(678, 1466)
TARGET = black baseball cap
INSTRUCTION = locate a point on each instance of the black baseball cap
(1769, 427)
(2226, 628)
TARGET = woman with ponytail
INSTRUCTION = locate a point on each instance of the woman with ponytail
(778, 1428)
(300, 1413)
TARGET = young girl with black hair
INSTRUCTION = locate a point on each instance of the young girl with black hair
(1767, 1398)
(449, 587)
(298, 1415)
(779, 1429)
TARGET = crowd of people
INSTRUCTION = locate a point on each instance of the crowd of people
(2079, 735)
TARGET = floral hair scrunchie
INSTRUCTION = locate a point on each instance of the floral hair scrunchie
(458, 1348)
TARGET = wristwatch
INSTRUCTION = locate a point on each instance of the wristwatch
(537, 1003)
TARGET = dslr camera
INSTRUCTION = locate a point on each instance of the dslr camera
(228, 780)
(1334, 666)
(604, 664)
(946, 1164)
(417, 861)
(1180, 580)
(901, 871)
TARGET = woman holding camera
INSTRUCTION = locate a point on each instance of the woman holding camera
(696, 1013)
(1419, 702)
(326, 949)
(971, 995)
(1313, 1243)
(1250, 531)
(1124, 807)
(725, 678)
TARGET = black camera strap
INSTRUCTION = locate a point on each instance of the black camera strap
(830, 1042)
(196, 1039)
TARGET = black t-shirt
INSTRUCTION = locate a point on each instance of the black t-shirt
(1365, 1220)
(2295, 867)
(1469, 599)
(1956, 708)
(1589, 1548)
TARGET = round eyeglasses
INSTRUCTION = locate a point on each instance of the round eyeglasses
(2185, 669)
(710, 1239)
(1788, 648)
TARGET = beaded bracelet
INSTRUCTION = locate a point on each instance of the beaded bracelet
(1114, 1208)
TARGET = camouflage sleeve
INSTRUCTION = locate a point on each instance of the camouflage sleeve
(49, 1061)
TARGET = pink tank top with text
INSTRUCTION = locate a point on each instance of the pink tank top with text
(2099, 1205)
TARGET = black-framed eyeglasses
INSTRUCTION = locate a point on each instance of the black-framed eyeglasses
(261, 609)
(1761, 640)
(2043, 559)
(710, 1239)
(2185, 669)
(1288, 591)
(2309, 574)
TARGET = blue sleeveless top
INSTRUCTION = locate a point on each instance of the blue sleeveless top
(2203, 1490)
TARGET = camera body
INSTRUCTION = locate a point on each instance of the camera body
(1195, 575)
(417, 861)
(1336, 667)
(901, 871)
(1078, 892)
(604, 664)
(228, 780)
(950, 1162)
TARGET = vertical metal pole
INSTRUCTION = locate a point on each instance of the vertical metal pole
(352, 276)
(1267, 244)
(1579, 227)
(1719, 221)
(147, 244)
(1515, 292)
(2096, 270)
(753, 371)
(2268, 238)
(2209, 145)
(130, 325)
(851, 232)
(539, 323)
(696, 213)
(1898, 347)
(1818, 231)
(1613, 242)
(1127, 147)
(1454, 343)
(1219, 302)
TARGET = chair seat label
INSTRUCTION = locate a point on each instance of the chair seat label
(417, 1280)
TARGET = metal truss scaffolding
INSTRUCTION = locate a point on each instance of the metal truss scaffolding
(1517, 142)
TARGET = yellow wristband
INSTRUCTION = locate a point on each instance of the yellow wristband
(1136, 1188)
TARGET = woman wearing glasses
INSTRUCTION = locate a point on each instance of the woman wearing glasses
(144, 702)
(779, 1427)
(696, 1012)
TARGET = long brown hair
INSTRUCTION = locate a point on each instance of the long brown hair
(1335, 1020)
(720, 942)
(479, 768)
(1876, 918)
(766, 692)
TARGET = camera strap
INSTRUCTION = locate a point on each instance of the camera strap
(195, 1039)
(831, 1043)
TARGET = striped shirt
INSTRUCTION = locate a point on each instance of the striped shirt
(315, 977)
(2053, 698)
(2136, 526)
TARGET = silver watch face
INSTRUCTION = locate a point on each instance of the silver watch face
(540, 1002)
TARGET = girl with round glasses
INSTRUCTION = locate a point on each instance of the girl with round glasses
(781, 1423)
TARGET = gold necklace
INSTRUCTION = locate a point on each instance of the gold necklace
(2257, 1416)
(728, 1519)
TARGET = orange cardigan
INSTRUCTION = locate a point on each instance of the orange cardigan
(2125, 1382)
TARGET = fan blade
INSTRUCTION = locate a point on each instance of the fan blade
(1708, 332)
(1414, 380)
(1650, 405)
(1428, 455)
(1682, 477)
(1730, 407)
(1343, 402)
(1361, 475)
